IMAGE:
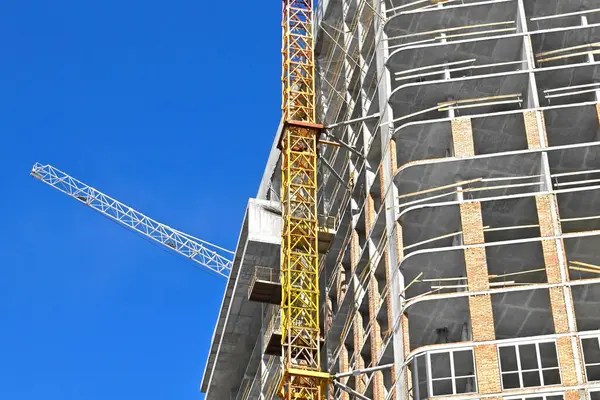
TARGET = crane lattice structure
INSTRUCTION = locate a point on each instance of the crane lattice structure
(201, 252)
(300, 338)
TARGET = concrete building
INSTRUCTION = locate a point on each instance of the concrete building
(461, 228)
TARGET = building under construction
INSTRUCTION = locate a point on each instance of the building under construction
(459, 208)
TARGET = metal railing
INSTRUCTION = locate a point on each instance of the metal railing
(274, 326)
(266, 274)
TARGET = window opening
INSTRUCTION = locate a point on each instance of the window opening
(529, 365)
(451, 372)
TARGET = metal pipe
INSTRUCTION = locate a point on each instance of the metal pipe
(350, 390)
(334, 172)
(351, 121)
(362, 371)
(346, 146)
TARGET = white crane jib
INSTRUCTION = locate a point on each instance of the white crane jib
(204, 253)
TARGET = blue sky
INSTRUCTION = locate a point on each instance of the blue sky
(170, 107)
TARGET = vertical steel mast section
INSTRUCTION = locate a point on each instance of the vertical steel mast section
(302, 376)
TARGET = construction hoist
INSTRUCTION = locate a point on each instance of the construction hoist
(300, 331)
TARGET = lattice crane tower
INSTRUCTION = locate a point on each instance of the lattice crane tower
(300, 339)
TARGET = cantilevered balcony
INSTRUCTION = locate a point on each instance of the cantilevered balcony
(265, 286)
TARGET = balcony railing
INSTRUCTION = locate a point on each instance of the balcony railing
(265, 286)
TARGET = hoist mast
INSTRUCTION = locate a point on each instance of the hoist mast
(206, 254)
(300, 339)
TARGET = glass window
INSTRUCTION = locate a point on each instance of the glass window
(591, 357)
(552, 396)
(529, 365)
(451, 372)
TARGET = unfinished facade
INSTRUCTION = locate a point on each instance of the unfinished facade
(460, 202)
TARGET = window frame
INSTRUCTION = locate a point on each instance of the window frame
(519, 371)
(452, 377)
(585, 364)
(544, 396)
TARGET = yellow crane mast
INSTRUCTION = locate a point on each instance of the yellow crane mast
(300, 339)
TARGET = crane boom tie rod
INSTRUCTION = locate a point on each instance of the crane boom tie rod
(213, 257)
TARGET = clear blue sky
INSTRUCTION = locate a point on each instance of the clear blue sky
(170, 107)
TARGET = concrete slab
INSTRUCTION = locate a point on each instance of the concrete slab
(240, 321)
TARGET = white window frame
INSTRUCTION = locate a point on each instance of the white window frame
(592, 390)
(519, 371)
(585, 364)
(452, 377)
(544, 396)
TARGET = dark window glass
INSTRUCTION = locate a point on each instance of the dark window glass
(548, 355)
(463, 363)
(440, 365)
(508, 359)
(531, 379)
(551, 377)
(528, 357)
(510, 381)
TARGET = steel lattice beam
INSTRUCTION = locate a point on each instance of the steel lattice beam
(204, 253)
(300, 339)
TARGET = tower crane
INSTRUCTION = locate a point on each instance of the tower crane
(302, 377)
(208, 255)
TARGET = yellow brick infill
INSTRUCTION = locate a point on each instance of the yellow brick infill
(393, 157)
(354, 251)
(472, 223)
(482, 318)
(376, 342)
(572, 395)
(359, 341)
(388, 299)
(566, 361)
(550, 251)
(405, 333)
(477, 271)
(532, 130)
(369, 213)
(559, 310)
(487, 368)
(399, 241)
(344, 367)
(381, 182)
(598, 112)
(547, 215)
(462, 137)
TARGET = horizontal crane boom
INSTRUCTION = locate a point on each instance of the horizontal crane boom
(204, 253)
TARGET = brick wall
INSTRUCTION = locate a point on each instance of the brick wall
(477, 272)
(344, 367)
(472, 223)
(532, 129)
(482, 319)
(566, 361)
(488, 369)
(376, 343)
(369, 213)
(462, 137)
(354, 251)
(359, 341)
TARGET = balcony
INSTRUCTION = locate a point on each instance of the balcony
(265, 286)
(327, 229)
(272, 338)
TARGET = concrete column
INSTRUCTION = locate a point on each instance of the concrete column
(396, 285)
